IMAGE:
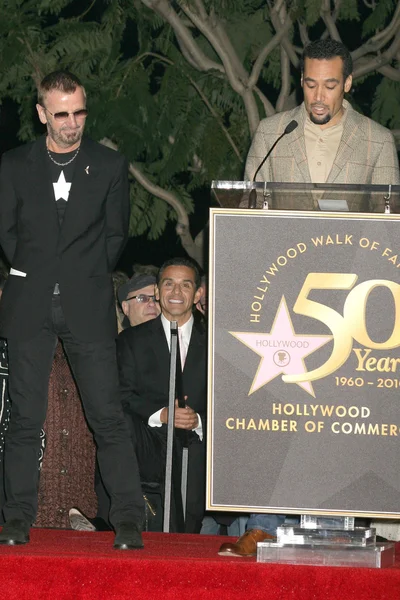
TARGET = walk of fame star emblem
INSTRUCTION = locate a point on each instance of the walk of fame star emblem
(282, 350)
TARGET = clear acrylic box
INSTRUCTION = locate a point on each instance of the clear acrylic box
(360, 536)
(327, 541)
(379, 555)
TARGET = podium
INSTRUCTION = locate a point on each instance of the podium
(304, 362)
(308, 196)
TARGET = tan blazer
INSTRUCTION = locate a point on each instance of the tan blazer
(366, 154)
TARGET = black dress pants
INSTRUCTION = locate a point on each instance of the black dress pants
(150, 445)
(95, 370)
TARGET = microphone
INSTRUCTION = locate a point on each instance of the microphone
(288, 129)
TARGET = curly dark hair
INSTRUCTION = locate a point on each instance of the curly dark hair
(327, 49)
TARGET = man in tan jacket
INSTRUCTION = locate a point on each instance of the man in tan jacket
(332, 143)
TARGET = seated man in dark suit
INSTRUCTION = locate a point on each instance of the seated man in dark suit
(143, 359)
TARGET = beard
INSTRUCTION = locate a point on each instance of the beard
(320, 120)
(65, 137)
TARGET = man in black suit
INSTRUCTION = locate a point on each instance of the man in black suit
(64, 213)
(143, 360)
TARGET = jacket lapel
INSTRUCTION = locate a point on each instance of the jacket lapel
(86, 171)
(158, 343)
(298, 146)
(40, 181)
(347, 144)
(195, 354)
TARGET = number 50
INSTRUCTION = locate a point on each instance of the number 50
(347, 327)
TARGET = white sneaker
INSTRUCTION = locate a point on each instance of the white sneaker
(79, 522)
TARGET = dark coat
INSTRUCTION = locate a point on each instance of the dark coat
(80, 255)
(143, 361)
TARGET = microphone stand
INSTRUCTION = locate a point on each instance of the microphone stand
(253, 194)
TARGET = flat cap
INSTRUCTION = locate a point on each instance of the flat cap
(137, 282)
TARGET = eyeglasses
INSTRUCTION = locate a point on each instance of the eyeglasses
(82, 113)
(142, 298)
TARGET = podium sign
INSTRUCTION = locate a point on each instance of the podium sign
(304, 363)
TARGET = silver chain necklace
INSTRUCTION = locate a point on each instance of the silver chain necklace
(66, 163)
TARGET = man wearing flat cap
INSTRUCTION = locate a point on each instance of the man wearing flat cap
(137, 299)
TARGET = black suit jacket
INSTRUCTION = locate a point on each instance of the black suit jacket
(80, 255)
(143, 361)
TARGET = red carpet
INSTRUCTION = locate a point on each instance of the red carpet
(71, 565)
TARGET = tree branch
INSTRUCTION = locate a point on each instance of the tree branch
(182, 227)
(278, 5)
(217, 118)
(285, 70)
(390, 72)
(262, 56)
(168, 61)
(285, 87)
(305, 40)
(209, 32)
(379, 40)
(86, 11)
(32, 60)
(190, 49)
(164, 9)
(366, 66)
(237, 77)
(268, 107)
(337, 9)
(200, 9)
(237, 65)
(329, 20)
(286, 43)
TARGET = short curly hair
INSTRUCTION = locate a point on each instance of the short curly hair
(327, 49)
